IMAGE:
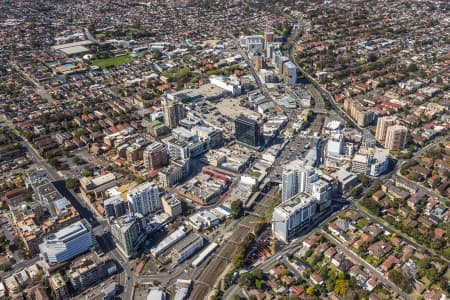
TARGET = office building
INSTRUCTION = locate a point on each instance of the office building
(383, 124)
(248, 131)
(95, 189)
(114, 207)
(178, 149)
(156, 294)
(174, 112)
(396, 137)
(67, 243)
(170, 175)
(144, 199)
(380, 162)
(155, 156)
(297, 178)
(292, 216)
(213, 135)
(360, 163)
(321, 190)
(128, 232)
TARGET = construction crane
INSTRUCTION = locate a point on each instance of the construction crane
(273, 248)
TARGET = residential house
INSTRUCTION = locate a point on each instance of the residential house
(379, 249)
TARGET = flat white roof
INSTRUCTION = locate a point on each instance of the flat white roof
(74, 44)
(100, 180)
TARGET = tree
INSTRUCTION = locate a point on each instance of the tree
(310, 291)
(54, 162)
(401, 280)
(139, 180)
(258, 284)
(78, 161)
(72, 183)
(341, 287)
(246, 280)
(87, 172)
(356, 191)
(363, 178)
(237, 261)
(156, 55)
(80, 132)
(237, 209)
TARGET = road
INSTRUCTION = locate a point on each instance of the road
(20, 266)
(212, 271)
(438, 197)
(244, 55)
(326, 94)
(126, 278)
(357, 259)
(39, 89)
(282, 254)
(84, 211)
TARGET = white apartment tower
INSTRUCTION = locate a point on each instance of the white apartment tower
(144, 198)
(297, 178)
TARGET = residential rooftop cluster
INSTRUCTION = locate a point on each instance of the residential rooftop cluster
(153, 149)
(374, 69)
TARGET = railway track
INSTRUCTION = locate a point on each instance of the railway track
(212, 271)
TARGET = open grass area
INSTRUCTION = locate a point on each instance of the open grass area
(100, 35)
(112, 61)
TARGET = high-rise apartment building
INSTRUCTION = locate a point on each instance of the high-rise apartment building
(155, 156)
(396, 137)
(292, 216)
(248, 131)
(128, 232)
(144, 198)
(114, 207)
(383, 124)
(335, 144)
(174, 112)
(297, 178)
(268, 38)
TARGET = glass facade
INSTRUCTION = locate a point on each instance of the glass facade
(248, 131)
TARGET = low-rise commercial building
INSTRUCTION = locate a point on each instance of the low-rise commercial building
(186, 247)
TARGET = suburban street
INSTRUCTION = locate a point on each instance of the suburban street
(126, 278)
(359, 260)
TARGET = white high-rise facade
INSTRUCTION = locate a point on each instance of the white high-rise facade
(297, 178)
(144, 199)
(335, 145)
